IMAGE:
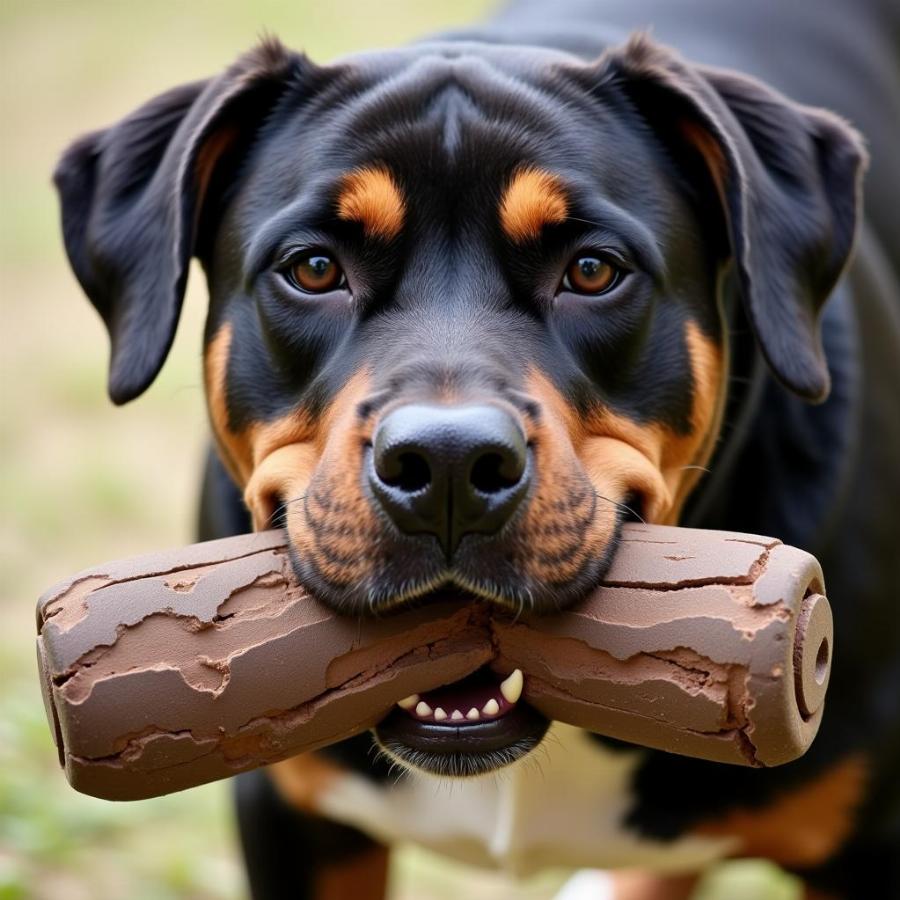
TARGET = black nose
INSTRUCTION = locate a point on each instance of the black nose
(449, 470)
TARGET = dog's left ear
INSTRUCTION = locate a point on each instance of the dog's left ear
(788, 178)
(133, 203)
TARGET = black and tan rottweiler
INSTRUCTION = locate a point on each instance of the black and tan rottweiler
(474, 303)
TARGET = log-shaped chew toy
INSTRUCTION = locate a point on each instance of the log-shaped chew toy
(174, 669)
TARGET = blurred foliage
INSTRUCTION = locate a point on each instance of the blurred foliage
(81, 482)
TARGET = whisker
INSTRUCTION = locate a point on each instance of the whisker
(520, 602)
(278, 518)
(621, 506)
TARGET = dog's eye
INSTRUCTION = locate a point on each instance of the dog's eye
(315, 273)
(591, 275)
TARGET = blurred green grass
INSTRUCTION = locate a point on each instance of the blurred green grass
(81, 481)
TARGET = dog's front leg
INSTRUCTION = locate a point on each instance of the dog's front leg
(291, 853)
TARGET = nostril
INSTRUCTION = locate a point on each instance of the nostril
(412, 473)
(491, 474)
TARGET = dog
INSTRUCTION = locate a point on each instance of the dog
(477, 301)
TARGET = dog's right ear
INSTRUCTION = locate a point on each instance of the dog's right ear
(132, 199)
(788, 183)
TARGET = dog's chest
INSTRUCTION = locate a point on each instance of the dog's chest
(563, 806)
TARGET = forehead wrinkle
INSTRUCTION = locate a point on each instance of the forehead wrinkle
(589, 208)
(450, 107)
(301, 213)
(405, 97)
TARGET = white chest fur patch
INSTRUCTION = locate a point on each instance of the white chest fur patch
(562, 806)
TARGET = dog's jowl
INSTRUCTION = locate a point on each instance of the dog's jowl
(476, 302)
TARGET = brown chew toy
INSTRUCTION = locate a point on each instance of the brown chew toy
(174, 669)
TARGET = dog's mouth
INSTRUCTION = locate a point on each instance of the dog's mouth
(469, 727)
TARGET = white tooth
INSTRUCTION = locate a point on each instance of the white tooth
(511, 687)
(491, 708)
(408, 702)
(456, 715)
(440, 715)
(423, 709)
(473, 714)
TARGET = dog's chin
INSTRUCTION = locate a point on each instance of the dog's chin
(462, 746)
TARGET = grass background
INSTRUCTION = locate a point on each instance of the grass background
(81, 481)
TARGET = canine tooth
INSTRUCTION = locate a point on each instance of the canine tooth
(511, 687)
(456, 715)
(440, 715)
(473, 714)
(408, 702)
(491, 708)
(423, 709)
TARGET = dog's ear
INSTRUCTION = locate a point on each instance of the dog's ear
(788, 180)
(132, 203)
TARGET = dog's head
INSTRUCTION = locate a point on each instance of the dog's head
(466, 301)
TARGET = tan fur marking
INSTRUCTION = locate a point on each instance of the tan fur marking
(711, 151)
(371, 197)
(534, 198)
(564, 519)
(363, 877)
(635, 885)
(251, 454)
(341, 543)
(804, 827)
(620, 455)
(313, 464)
(215, 369)
(302, 780)
(210, 153)
(677, 458)
(288, 451)
(709, 370)
(275, 459)
(283, 473)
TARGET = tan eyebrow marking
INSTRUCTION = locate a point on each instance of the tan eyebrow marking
(533, 199)
(371, 197)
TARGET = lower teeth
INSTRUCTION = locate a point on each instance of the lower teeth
(510, 690)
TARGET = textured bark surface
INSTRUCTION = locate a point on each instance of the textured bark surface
(174, 669)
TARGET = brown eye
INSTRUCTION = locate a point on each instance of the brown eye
(316, 273)
(591, 275)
